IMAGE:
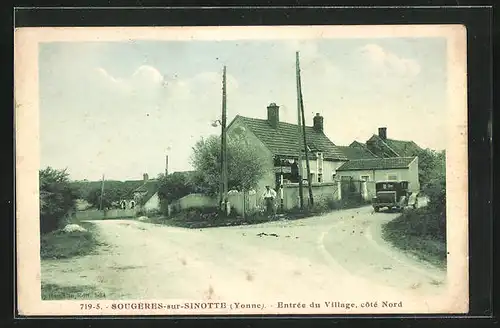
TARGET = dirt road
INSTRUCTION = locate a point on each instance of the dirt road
(320, 257)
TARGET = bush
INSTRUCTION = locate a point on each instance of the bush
(173, 187)
(419, 232)
(153, 213)
(320, 206)
(59, 244)
(57, 199)
(423, 231)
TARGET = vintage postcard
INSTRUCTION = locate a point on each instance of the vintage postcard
(241, 170)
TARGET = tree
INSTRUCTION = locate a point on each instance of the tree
(245, 164)
(114, 191)
(174, 186)
(435, 188)
(57, 198)
(432, 166)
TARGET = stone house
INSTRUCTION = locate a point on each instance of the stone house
(381, 146)
(279, 145)
(146, 197)
(381, 169)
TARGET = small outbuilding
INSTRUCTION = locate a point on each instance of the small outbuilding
(381, 169)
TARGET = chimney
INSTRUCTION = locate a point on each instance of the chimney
(382, 133)
(318, 122)
(166, 165)
(273, 115)
(145, 177)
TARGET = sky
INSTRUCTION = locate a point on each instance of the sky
(117, 108)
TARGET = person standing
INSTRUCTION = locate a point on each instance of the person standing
(269, 198)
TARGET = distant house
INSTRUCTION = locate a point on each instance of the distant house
(382, 169)
(146, 197)
(381, 146)
(359, 152)
(280, 146)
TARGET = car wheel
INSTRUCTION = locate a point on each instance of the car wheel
(376, 209)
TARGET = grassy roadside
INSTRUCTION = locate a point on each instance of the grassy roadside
(211, 218)
(57, 292)
(417, 232)
(61, 245)
(58, 245)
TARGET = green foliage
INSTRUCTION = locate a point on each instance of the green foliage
(57, 198)
(423, 231)
(245, 164)
(172, 187)
(432, 166)
(61, 245)
(419, 232)
(114, 191)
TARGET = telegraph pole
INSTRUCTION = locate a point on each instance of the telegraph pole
(301, 102)
(299, 135)
(102, 192)
(224, 172)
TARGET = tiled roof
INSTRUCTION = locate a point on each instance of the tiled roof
(396, 147)
(353, 153)
(283, 140)
(377, 164)
(403, 148)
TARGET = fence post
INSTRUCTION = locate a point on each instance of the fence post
(364, 191)
(339, 190)
(244, 204)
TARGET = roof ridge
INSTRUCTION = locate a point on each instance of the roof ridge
(377, 163)
(384, 158)
(279, 139)
(385, 143)
(265, 120)
(399, 140)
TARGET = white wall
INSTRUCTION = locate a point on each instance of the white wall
(266, 155)
(329, 169)
(410, 174)
(153, 203)
(375, 175)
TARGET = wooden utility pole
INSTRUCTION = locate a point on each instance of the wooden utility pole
(102, 192)
(308, 168)
(224, 172)
(299, 135)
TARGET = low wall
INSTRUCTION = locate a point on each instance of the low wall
(94, 214)
(240, 202)
(243, 203)
(322, 192)
(193, 201)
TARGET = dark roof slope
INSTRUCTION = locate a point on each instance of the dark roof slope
(353, 153)
(150, 188)
(403, 148)
(377, 164)
(283, 140)
(397, 147)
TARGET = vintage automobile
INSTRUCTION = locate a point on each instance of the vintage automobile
(394, 195)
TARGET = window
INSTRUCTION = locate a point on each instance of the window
(392, 177)
(320, 177)
(365, 178)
